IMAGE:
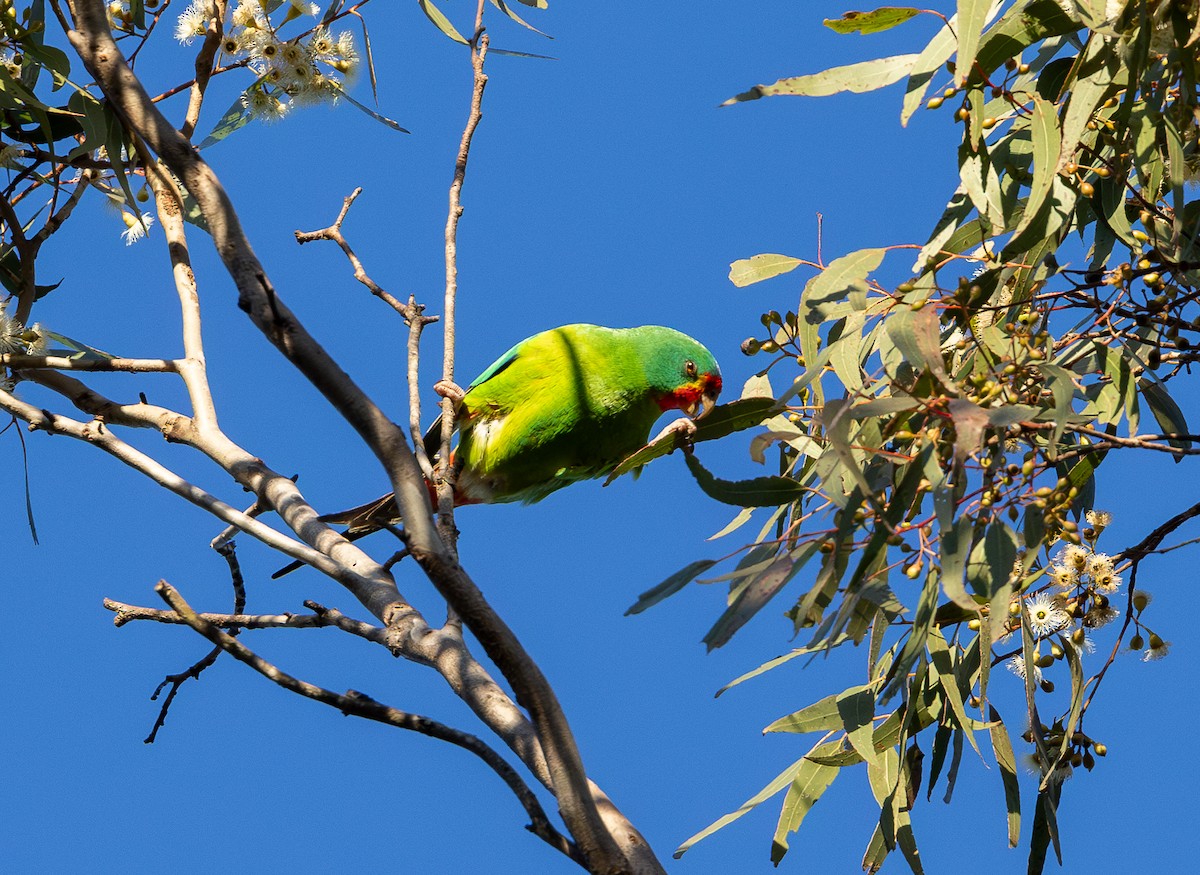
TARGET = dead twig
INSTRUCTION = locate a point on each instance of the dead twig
(360, 705)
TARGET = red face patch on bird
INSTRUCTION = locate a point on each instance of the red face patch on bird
(695, 398)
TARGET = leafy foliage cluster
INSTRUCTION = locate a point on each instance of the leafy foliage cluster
(938, 441)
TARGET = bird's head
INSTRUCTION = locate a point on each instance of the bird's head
(683, 374)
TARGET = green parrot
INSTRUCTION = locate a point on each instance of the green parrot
(564, 405)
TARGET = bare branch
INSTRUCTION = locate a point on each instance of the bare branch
(93, 41)
(322, 619)
(414, 318)
(333, 554)
(175, 681)
(204, 67)
(1150, 543)
(256, 508)
(63, 363)
(193, 671)
(334, 233)
(192, 368)
(98, 434)
(359, 705)
(445, 478)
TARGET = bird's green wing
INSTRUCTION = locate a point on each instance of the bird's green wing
(433, 436)
(498, 365)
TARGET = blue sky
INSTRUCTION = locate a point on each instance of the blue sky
(604, 186)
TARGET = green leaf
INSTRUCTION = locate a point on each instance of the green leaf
(842, 278)
(954, 548)
(382, 119)
(756, 492)
(1075, 664)
(837, 428)
(781, 780)
(939, 655)
(369, 54)
(82, 349)
(929, 62)
(236, 117)
(857, 710)
(722, 420)
(857, 78)
(787, 657)
(10, 277)
(192, 212)
(441, 22)
(1047, 144)
(743, 517)
(746, 271)
(982, 184)
(508, 10)
(941, 743)
(753, 597)
(1090, 87)
(915, 644)
(1176, 166)
(1059, 381)
(1045, 831)
(821, 716)
(334, 7)
(810, 782)
(969, 422)
(1166, 412)
(991, 562)
(885, 406)
(970, 20)
(758, 386)
(670, 586)
(1022, 25)
(916, 336)
(29, 515)
(876, 852)
(725, 419)
(883, 18)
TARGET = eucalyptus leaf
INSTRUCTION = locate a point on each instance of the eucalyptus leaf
(670, 586)
(746, 271)
(881, 19)
(857, 78)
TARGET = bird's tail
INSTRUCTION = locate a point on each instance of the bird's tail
(369, 518)
(366, 518)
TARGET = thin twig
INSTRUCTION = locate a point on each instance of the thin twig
(334, 233)
(445, 483)
(360, 705)
(204, 67)
(412, 312)
(63, 363)
(416, 320)
(322, 618)
(1156, 537)
(256, 508)
(193, 671)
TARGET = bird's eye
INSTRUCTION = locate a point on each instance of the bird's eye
(689, 368)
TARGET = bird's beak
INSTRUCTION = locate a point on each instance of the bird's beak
(703, 405)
